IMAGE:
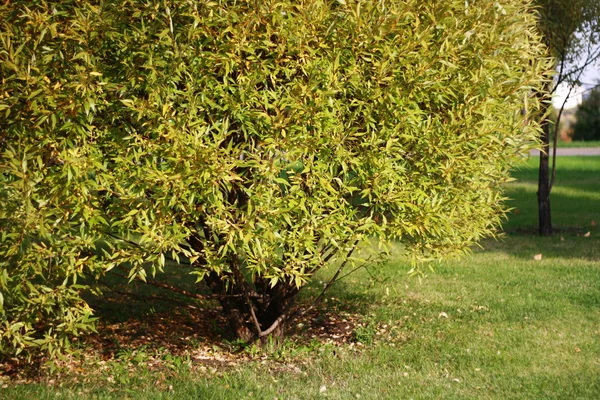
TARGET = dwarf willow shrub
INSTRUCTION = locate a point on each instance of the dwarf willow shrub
(256, 141)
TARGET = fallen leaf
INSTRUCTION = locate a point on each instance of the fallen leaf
(322, 389)
(577, 350)
(587, 234)
(594, 223)
(443, 314)
(562, 239)
(537, 257)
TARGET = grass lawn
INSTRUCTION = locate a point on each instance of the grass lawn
(574, 200)
(579, 143)
(497, 324)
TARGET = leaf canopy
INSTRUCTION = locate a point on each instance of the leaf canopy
(274, 132)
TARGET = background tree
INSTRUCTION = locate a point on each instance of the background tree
(571, 31)
(587, 125)
(247, 143)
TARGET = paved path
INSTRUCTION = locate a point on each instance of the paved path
(573, 151)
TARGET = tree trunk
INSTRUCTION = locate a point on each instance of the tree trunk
(268, 307)
(543, 193)
(233, 308)
(256, 311)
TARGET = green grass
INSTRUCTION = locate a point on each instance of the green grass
(579, 143)
(574, 200)
(497, 324)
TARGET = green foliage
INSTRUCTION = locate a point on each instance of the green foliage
(569, 27)
(587, 125)
(261, 137)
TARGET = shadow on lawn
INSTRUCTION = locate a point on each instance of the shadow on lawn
(574, 201)
(573, 213)
(564, 245)
(133, 316)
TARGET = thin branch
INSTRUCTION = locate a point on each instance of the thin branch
(144, 297)
(274, 325)
(138, 295)
(560, 73)
(591, 88)
(363, 265)
(590, 58)
(132, 243)
(334, 278)
(183, 292)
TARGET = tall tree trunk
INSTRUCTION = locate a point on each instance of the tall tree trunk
(543, 193)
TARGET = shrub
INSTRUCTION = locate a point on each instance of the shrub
(587, 117)
(257, 141)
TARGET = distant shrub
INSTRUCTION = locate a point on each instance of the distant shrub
(587, 125)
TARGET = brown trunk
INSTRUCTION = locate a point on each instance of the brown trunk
(233, 308)
(238, 322)
(281, 300)
(273, 305)
(543, 194)
(256, 311)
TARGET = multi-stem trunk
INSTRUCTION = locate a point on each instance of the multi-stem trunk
(255, 310)
(255, 315)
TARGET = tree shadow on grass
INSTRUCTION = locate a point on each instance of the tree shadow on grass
(135, 315)
(569, 245)
(571, 214)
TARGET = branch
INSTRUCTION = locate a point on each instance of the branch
(287, 315)
(591, 57)
(137, 295)
(333, 279)
(130, 242)
(560, 75)
(363, 265)
(241, 281)
(137, 245)
(144, 297)
(274, 325)
(183, 292)
(591, 88)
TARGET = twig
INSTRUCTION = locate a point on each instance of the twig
(132, 243)
(141, 296)
(364, 265)
(144, 297)
(182, 291)
(333, 279)
(590, 58)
